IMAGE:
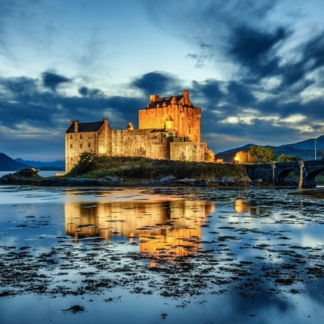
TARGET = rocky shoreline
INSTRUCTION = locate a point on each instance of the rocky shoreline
(31, 177)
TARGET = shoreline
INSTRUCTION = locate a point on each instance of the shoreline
(223, 182)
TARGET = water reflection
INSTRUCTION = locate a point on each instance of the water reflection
(167, 229)
(252, 209)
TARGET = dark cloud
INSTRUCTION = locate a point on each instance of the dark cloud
(240, 94)
(312, 59)
(21, 87)
(207, 91)
(52, 80)
(87, 92)
(23, 102)
(157, 83)
(254, 49)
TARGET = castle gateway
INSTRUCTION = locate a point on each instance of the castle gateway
(169, 129)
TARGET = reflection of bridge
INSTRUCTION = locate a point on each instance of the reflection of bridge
(277, 172)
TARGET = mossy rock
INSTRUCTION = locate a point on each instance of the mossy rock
(30, 172)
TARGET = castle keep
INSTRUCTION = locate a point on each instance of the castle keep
(169, 129)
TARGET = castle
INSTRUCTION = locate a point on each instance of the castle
(169, 129)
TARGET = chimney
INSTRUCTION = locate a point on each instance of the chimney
(130, 126)
(154, 97)
(185, 95)
(105, 121)
(76, 125)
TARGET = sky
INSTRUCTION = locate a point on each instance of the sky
(254, 67)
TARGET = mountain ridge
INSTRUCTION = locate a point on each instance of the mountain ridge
(9, 164)
(52, 165)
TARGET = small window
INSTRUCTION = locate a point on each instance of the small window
(89, 145)
(71, 136)
(71, 146)
(80, 136)
(71, 159)
(80, 145)
(89, 135)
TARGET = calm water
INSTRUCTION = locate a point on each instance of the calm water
(168, 255)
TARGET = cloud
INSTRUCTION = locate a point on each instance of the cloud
(52, 80)
(240, 94)
(157, 83)
(87, 92)
(312, 59)
(254, 49)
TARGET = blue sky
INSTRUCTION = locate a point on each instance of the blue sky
(255, 67)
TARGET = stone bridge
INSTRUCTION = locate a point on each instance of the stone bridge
(276, 172)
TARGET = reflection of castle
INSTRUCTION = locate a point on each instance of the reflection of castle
(169, 129)
(163, 228)
(241, 206)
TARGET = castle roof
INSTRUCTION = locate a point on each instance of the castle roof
(86, 127)
(164, 102)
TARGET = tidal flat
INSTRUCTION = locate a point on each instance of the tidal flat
(161, 255)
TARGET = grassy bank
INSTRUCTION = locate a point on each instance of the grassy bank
(97, 166)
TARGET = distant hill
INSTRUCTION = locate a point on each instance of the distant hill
(304, 149)
(308, 144)
(58, 165)
(9, 164)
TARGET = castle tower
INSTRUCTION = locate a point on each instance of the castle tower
(185, 118)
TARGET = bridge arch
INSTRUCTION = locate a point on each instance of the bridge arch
(283, 174)
(277, 172)
(309, 178)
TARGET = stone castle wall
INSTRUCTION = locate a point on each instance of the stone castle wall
(186, 120)
(77, 143)
(145, 143)
(187, 151)
(140, 142)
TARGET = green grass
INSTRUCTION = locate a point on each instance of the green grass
(97, 166)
